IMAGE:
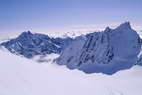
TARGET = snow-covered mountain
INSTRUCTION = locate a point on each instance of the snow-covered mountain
(30, 45)
(107, 52)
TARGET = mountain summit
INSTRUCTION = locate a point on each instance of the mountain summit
(125, 25)
(30, 45)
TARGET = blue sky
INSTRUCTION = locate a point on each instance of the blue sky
(20, 15)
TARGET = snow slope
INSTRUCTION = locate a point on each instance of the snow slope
(20, 76)
(140, 33)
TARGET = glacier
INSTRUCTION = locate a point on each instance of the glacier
(21, 76)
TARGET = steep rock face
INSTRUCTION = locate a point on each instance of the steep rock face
(107, 52)
(29, 45)
(73, 49)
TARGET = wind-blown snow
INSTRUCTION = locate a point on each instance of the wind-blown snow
(19, 76)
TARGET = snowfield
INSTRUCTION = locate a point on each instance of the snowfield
(20, 76)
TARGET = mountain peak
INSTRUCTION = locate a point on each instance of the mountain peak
(107, 29)
(125, 25)
(26, 34)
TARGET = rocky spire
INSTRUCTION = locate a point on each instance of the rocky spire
(124, 26)
(26, 34)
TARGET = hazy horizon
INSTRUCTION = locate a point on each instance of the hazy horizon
(74, 15)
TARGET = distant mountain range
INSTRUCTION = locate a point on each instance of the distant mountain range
(107, 52)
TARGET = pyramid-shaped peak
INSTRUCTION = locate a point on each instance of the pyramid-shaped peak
(26, 34)
(107, 29)
(125, 25)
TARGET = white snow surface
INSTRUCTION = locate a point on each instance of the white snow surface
(140, 34)
(20, 76)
